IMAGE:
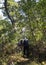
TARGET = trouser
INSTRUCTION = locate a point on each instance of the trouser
(26, 51)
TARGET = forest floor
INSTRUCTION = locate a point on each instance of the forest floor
(17, 59)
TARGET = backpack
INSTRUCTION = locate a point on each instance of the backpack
(20, 43)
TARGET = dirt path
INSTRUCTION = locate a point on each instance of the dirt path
(19, 60)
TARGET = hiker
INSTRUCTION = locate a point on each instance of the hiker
(25, 47)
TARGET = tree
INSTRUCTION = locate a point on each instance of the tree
(31, 13)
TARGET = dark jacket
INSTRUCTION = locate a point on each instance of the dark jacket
(25, 43)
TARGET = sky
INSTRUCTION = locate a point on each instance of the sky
(1, 14)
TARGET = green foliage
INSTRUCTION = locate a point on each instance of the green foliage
(29, 14)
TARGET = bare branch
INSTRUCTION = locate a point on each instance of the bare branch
(6, 9)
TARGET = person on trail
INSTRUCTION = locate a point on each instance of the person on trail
(25, 47)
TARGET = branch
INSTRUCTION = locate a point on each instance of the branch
(2, 7)
(6, 9)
